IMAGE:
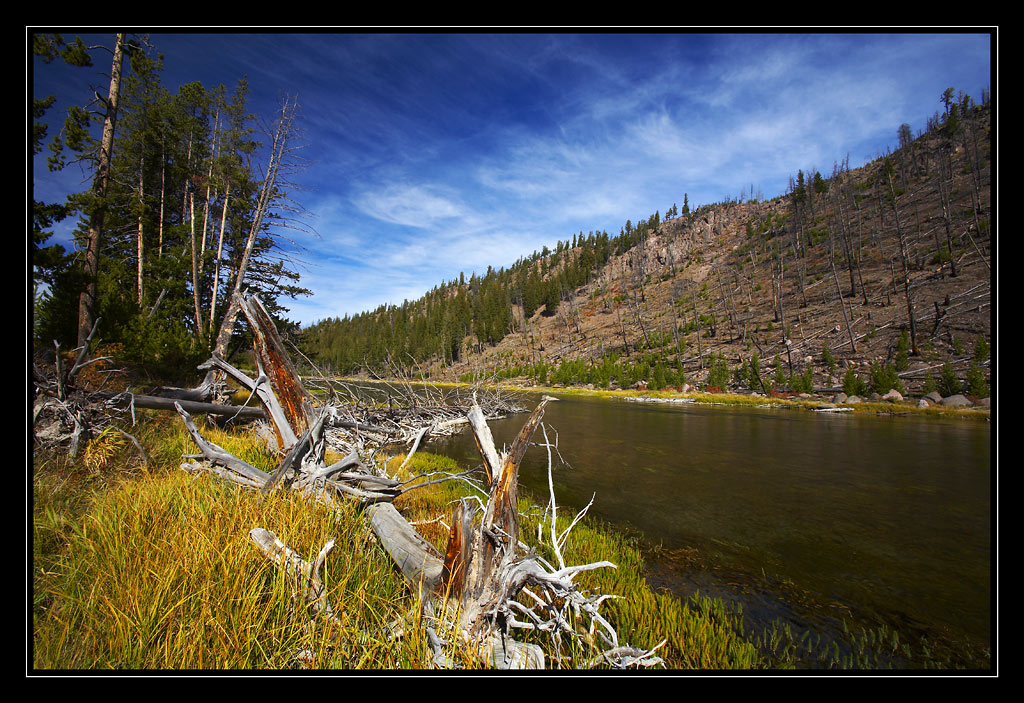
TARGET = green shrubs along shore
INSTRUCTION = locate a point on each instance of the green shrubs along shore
(145, 566)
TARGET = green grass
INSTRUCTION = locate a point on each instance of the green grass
(157, 571)
(150, 567)
(749, 400)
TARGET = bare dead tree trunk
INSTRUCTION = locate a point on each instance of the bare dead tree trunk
(163, 185)
(209, 185)
(634, 305)
(273, 360)
(845, 238)
(622, 331)
(281, 136)
(785, 337)
(220, 254)
(195, 267)
(944, 184)
(139, 244)
(839, 292)
(696, 317)
(906, 267)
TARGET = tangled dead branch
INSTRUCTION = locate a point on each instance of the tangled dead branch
(485, 569)
(67, 412)
(488, 583)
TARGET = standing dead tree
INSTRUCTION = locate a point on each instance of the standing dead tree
(487, 583)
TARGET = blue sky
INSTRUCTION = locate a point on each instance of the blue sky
(434, 154)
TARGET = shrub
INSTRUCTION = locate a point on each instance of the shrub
(828, 359)
(949, 383)
(853, 384)
(780, 372)
(929, 384)
(719, 373)
(975, 383)
(902, 346)
(884, 378)
(754, 372)
(981, 349)
(803, 383)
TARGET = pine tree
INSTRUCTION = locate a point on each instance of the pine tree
(55, 282)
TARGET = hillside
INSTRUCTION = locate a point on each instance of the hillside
(844, 264)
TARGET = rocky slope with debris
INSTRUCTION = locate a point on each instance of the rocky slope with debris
(849, 263)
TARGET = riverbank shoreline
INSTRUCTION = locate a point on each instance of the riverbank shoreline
(811, 402)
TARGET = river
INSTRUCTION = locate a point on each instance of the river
(806, 518)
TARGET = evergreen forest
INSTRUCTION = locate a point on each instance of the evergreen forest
(188, 193)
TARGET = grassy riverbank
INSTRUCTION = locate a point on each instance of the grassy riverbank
(152, 568)
(749, 400)
(148, 567)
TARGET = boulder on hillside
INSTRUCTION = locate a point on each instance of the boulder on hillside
(956, 401)
(933, 397)
(893, 395)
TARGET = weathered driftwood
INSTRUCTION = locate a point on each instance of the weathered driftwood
(157, 402)
(306, 580)
(475, 585)
(469, 594)
(66, 412)
(250, 475)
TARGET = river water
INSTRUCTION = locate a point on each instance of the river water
(806, 518)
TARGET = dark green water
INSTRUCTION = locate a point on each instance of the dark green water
(811, 518)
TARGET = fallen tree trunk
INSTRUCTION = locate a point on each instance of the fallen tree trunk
(469, 594)
(157, 402)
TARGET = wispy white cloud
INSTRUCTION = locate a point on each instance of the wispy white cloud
(410, 205)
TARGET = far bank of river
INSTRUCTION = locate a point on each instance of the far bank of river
(816, 402)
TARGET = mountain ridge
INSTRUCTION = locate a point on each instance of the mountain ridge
(846, 266)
